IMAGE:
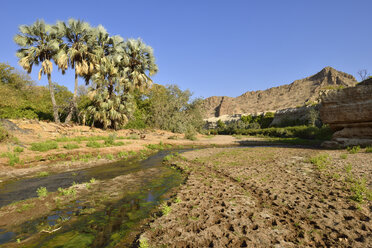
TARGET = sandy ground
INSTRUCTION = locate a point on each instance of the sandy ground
(268, 197)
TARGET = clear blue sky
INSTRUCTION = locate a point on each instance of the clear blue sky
(217, 47)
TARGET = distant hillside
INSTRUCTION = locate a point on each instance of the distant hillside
(286, 96)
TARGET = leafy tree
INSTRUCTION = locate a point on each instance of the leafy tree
(171, 109)
(21, 98)
(76, 53)
(39, 45)
(221, 124)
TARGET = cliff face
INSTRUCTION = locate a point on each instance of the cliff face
(282, 97)
(349, 111)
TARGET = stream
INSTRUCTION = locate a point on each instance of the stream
(106, 227)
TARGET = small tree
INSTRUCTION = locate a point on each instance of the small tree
(363, 74)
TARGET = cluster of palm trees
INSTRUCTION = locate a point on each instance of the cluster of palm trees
(111, 65)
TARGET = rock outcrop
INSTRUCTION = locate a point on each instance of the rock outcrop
(298, 93)
(349, 112)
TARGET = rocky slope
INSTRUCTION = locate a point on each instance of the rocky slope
(286, 96)
(349, 111)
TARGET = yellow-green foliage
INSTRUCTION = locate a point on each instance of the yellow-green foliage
(3, 134)
(321, 161)
(21, 98)
(44, 146)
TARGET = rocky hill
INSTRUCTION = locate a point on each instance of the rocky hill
(286, 96)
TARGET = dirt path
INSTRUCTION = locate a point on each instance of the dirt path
(269, 197)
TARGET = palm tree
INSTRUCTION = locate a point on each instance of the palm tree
(120, 67)
(138, 61)
(38, 45)
(76, 53)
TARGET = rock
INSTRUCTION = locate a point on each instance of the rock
(292, 95)
(349, 112)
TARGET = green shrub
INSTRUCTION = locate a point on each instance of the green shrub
(44, 146)
(3, 134)
(18, 149)
(66, 192)
(165, 209)
(110, 156)
(143, 243)
(42, 192)
(12, 156)
(122, 154)
(43, 174)
(71, 146)
(190, 134)
(353, 149)
(343, 156)
(303, 132)
(110, 140)
(369, 149)
(321, 161)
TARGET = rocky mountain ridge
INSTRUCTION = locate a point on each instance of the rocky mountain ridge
(298, 93)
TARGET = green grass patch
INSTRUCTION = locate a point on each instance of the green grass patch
(18, 149)
(343, 156)
(25, 207)
(42, 192)
(94, 144)
(67, 192)
(71, 146)
(3, 134)
(43, 174)
(321, 161)
(13, 158)
(369, 149)
(44, 146)
(353, 149)
(360, 191)
(165, 209)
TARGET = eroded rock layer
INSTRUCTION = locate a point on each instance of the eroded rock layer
(349, 111)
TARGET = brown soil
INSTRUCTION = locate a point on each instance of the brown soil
(268, 197)
(26, 132)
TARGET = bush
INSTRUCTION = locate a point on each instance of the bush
(353, 150)
(3, 134)
(44, 146)
(369, 149)
(18, 149)
(303, 132)
(13, 157)
(42, 192)
(190, 134)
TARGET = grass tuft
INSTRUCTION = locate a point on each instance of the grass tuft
(44, 146)
(42, 192)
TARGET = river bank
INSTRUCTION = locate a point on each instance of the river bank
(268, 197)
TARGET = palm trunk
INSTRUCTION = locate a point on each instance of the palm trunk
(74, 107)
(55, 108)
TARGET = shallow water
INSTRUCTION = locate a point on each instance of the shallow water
(22, 189)
(101, 228)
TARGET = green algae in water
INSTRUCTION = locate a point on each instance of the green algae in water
(107, 228)
(71, 239)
